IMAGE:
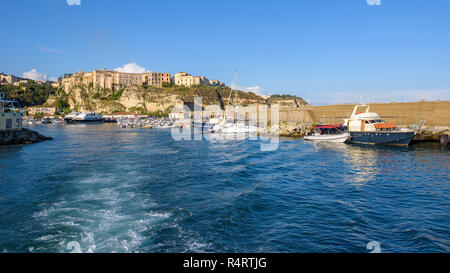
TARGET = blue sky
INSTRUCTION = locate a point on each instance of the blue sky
(326, 51)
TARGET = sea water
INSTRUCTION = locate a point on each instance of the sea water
(99, 188)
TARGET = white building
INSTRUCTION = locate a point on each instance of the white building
(10, 114)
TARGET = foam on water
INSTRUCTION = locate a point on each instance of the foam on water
(103, 213)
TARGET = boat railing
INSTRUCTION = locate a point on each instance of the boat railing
(9, 106)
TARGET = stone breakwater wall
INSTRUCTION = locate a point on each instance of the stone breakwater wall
(435, 114)
(20, 136)
(296, 120)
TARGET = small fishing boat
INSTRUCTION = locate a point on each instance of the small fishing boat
(331, 133)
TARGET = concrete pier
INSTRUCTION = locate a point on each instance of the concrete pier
(429, 135)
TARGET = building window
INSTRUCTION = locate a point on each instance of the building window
(8, 123)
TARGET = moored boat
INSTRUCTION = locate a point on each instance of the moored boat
(90, 117)
(370, 128)
(331, 133)
(230, 126)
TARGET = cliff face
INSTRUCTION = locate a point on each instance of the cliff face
(149, 99)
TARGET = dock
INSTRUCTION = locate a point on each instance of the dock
(433, 135)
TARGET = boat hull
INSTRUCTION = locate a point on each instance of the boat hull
(237, 129)
(204, 126)
(341, 138)
(76, 121)
(386, 138)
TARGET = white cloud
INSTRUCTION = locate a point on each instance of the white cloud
(53, 79)
(73, 2)
(33, 74)
(374, 2)
(131, 68)
(51, 50)
(254, 89)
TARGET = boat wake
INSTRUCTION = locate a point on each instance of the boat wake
(101, 214)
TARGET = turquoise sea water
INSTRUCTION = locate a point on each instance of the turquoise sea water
(132, 190)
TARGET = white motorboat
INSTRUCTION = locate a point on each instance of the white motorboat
(89, 117)
(331, 133)
(370, 128)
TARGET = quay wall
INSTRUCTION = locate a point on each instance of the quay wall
(435, 113)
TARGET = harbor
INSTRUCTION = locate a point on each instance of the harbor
(139, 190)
(225, 136)
(301, 129)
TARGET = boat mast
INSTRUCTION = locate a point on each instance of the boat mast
(234, 86)
(236, 79)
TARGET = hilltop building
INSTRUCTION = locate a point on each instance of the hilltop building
(9, 79)
(47, 111)
(155, 79)
(216, 83)
(185, 79)
(114, 80)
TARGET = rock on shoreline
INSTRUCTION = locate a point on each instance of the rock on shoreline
(297, 131)
(21, 136)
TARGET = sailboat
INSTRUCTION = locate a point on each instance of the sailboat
(233, 125)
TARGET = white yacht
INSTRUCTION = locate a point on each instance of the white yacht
(370, 128)
(89, 117)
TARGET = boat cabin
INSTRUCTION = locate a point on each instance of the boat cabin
(10, 114)
(367, 121)
(330, 129)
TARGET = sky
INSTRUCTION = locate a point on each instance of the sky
(325, 51)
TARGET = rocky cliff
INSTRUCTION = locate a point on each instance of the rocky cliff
(146, 99)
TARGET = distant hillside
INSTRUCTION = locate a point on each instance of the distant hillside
(286, 100)
(29, 94)
(153, 100)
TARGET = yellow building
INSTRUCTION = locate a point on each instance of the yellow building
(47, 111)
(216, 83)
(114, 80)
(8, 79)
(185, 79)
(155, 79)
